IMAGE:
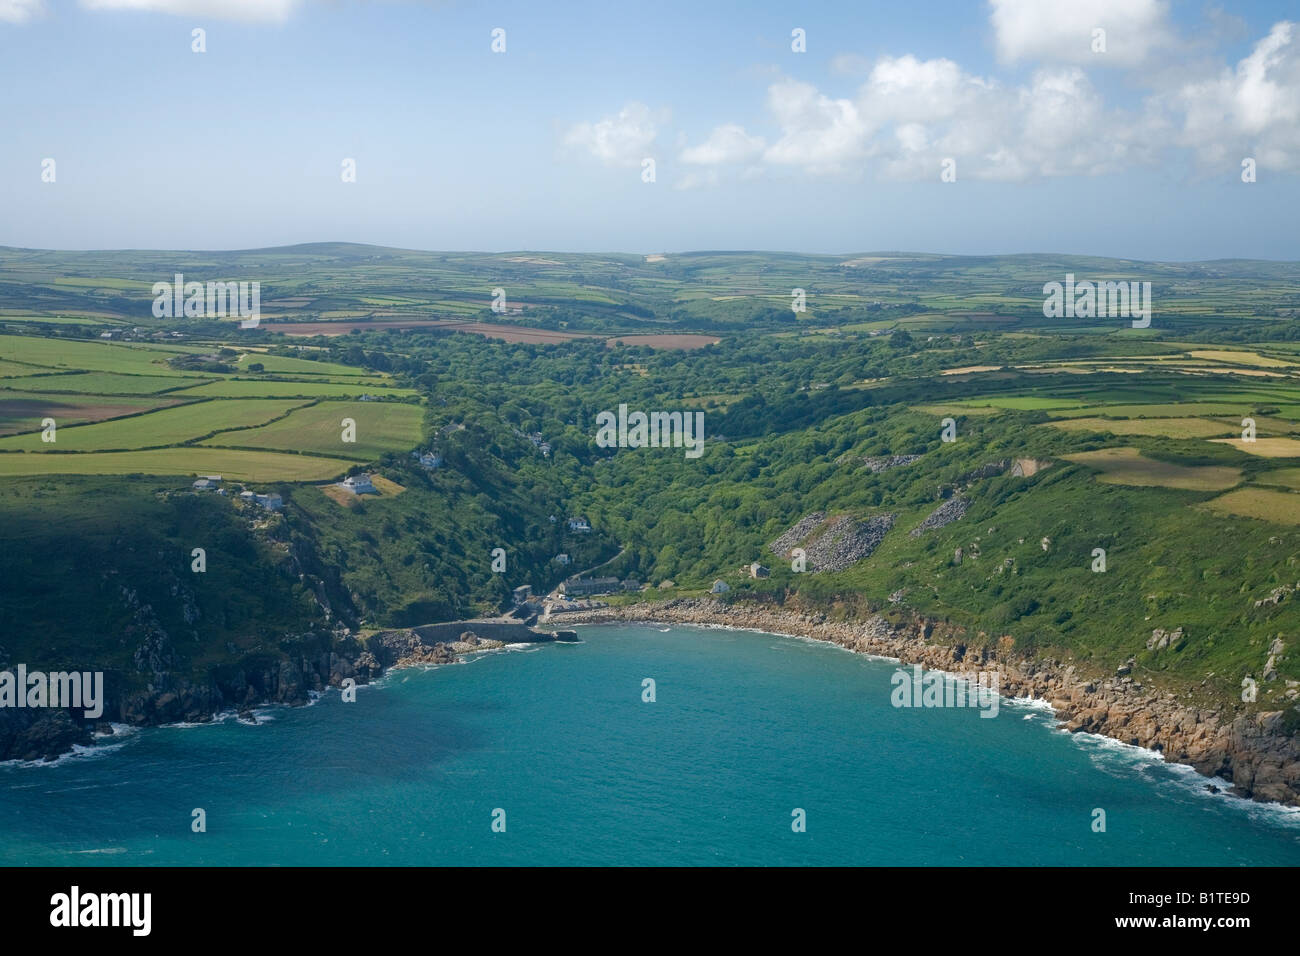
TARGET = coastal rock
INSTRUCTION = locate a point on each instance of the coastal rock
(1256, 752)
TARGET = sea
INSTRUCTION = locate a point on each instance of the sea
(636, 745)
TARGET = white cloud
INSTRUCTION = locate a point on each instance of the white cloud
(821, 134)
(728, 143)
(1252, 110)
(19, 11)
(1062, 30)
(266, 10)
(620, 140)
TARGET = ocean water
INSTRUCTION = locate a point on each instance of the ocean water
(746, 728)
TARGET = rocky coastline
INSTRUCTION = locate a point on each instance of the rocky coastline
(1252, 751)
(290, 678)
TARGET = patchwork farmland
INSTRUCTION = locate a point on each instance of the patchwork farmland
(104, 408)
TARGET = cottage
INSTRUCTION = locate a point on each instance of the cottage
(359, 485)
(720, 587)
(579, 525)
(561, 559)
(756, 570)
(430, 460)
(207, 483)
(522, 594)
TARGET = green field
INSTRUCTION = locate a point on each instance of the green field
(98, 383)
(92, 356)
(193, 460)
(169, 426)
(270, 388)
(380, 427)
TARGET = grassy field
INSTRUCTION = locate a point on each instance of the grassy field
(1265, 447)
(1163, 427)
(1128, 466)
(100, 383)
(380, 427)
(170, 426)
(191, 460)
(91, 356)
(270, 388)
(1278, 507)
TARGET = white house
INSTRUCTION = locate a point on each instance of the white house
(561, 559)
(359, 485)
(208, 483)
(579, 525)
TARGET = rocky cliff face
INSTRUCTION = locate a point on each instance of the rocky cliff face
(290, 678)
(1256, 752)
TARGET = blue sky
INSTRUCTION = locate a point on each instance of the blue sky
(1134, 151)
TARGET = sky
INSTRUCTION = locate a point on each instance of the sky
(977, 127)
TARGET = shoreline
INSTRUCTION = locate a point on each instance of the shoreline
(1248, 750)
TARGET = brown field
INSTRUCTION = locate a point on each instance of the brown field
(1265, 447)
(969, 369)
(25, 414)
(343, 327)
(1244, 358)
(386, 486)
(666, 340)
(1279, 507)
(1128, 466)
(347, 499)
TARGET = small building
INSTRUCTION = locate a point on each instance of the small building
(756, 570)
(522, 594)
(430, 460)
(631, 584)
(561, 559)
(579, 525)
(581, 587)
(207, 483)
(359, 485)
(271, 502)
(720, 587)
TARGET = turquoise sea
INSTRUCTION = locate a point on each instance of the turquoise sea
(746, 728)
